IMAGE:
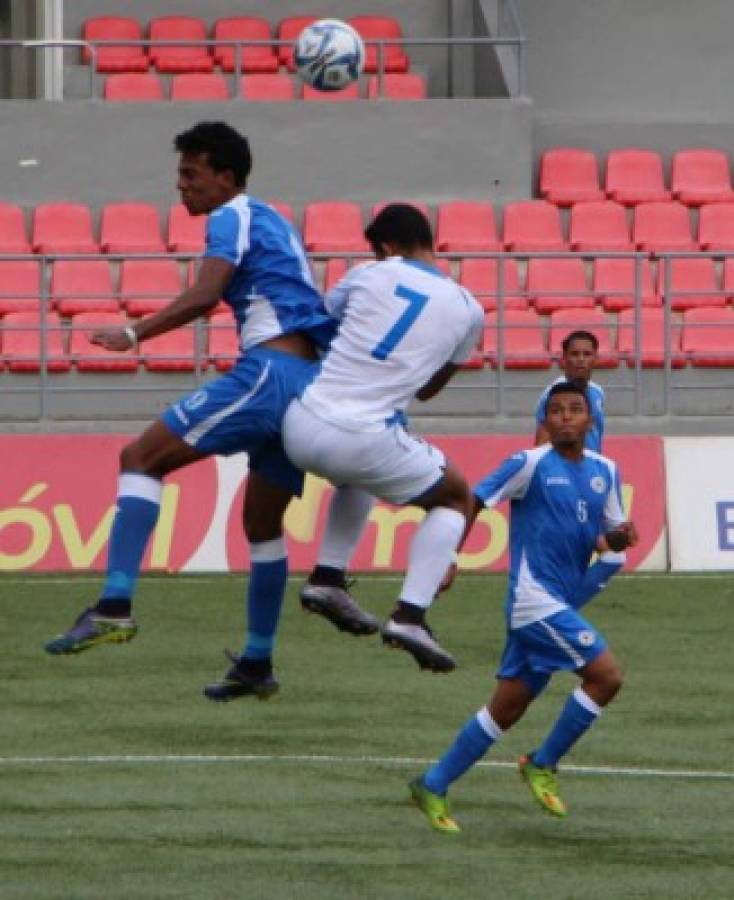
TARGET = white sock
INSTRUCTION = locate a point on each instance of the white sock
(348, 512)
(431, 553)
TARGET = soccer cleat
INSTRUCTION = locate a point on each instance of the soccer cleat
(543, 784)
(92, 628)
(419, 641)
(238, 683)
(434, 806)
(339, 607)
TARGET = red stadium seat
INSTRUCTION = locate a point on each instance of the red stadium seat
(173, 58)
(658, 227)
(397, 86)
(288, 30)
(63, 228)
(132, 88)
(131, 228)
(728, 278)
(199, 86)
(258, 58)
(554, 284)
(12, 230)
(89, 357)
(466, 225)
(652, 339)
(334, 271)
(21, 342)
(523, 341)
(79, 286)
(701, 176)
(569, 175)
(593, 320)
(148, 285)
(129, 58)
(333, 225)
(376, 27)
(693, 283)
(532, 225)
(224, 346)
(614, 284)
(20, 286)
(173, 351)
(267, 88)
(348, 93)
(716, 226)
(708, 337)
(635, 176)
(600, 226)
(480, 277)
(186, 233)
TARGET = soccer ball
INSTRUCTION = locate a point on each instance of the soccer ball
(329, 55)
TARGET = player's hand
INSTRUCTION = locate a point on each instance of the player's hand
(112, 339)
(619, 539)
(448, 578)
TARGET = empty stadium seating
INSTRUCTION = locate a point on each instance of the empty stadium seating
(125, 58)
(12, 230)
(614, 284)
(23, 339)
(269, 88)
(288, 30)
(186, 233)
(554, 284)
(398, 86)
(523, 340)
(133, 88)
(20, 285)
(708, 337)
(63, 228)
(79, 286)
(532, 225)
(466, 225)
(701, 176)
(260, 58)
(660, 227)
(480, 276)
(88, 357)
(693, 283)
(131, 228)
(333, 226)
(716, 227)
(172, 58)
(568, 176)
(199, 86)
(566, 320)
(652, 338)
(373, 28)
(599, 225)
(223, 342)
(173, 351)
(635, 176)
(147, 285)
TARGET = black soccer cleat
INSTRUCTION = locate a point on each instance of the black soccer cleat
(237, 682)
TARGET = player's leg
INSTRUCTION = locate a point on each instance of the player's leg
(143, 465)
(327, 589)
(432, 550)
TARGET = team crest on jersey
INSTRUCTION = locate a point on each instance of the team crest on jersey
(598, 484)
(586, 638)
(196, 400)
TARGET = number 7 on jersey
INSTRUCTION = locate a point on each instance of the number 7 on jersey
(416, 302)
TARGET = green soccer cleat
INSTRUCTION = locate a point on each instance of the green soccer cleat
(543, 784)
(434, 806)
(91, 629)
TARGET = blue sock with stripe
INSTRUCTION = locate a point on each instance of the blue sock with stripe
(577, 716)
(138, 505)
(470, 745)
(265, 593)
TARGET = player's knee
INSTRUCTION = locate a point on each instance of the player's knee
(131, 458)
(259, 527)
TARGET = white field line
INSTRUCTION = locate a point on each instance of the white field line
(174, 759)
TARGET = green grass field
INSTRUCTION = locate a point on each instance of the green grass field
(320, 810)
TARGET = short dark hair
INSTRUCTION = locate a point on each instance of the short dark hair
(574, 386)
(226, 149)
(401, 224)
(579, 336)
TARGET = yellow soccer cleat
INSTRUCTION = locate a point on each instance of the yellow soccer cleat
(434, 806)
(543, 784)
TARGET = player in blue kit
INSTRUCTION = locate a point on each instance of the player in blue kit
(580, 354)
(565, 504)
(255, 261)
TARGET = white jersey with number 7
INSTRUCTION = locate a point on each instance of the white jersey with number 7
(401, 321)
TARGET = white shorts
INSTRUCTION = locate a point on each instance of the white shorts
(390, 464)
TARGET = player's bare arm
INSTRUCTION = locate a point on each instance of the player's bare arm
(437, 382)
(196, 301)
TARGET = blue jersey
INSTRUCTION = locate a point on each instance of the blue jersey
(595, 394)
(558, 509)
(271, 291)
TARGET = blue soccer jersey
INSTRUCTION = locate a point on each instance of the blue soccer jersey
(271, 291)
(595, 394)
(558, 509)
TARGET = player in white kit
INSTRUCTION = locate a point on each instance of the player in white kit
(404, 329)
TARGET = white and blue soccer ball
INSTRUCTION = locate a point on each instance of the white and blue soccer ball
(329, 55)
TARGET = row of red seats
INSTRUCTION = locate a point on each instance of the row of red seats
(202, 58)
(337, 226)
(147, 285)
(703, 337)
(146, 87)
(569, 175)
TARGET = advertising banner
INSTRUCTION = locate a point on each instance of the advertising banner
(57, 500)
(700, 487)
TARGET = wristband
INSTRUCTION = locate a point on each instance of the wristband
(131, 336)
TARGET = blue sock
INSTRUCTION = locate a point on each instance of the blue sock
(268, 578)
(472, 742)
(577, 716)
(138, 505)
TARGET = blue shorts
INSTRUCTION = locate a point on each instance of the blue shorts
(534, 652)
(243, 412)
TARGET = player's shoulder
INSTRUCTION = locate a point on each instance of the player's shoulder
(599, 461)
(595, 388)
(533, 457)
